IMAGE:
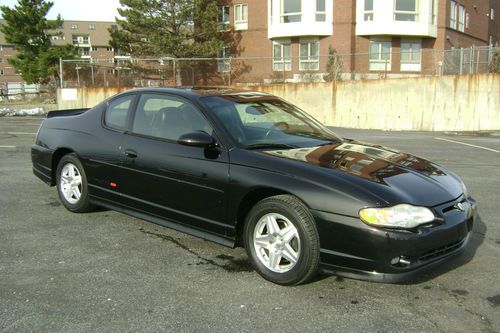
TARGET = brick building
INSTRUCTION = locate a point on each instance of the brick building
(290, 39)
(91, 38)
(395, 36)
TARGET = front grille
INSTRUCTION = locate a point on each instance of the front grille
(441, 251)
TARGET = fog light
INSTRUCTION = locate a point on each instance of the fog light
(400, 261)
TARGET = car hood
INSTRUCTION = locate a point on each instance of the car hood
(390, 175)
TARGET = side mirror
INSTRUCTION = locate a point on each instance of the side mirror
(197, 139)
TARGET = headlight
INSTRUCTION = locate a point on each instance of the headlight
(464, 188)
(400, 216)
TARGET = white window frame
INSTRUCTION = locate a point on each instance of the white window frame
(406, 12)
(223, 61)
(368, 14)
(492, 14)
(93, 48)
(461, 18)
(284, 15)
(380, 64)
(92, 26)
(414, 64)
(74, 26)
(305, 61)
(434, 11)
(110, 49)
(467, 20)
(453, 14)
(224, 24)
(282, 63)
(241, 16)
(320, 13)
(1, 47)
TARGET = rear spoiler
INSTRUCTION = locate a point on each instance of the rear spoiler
(65, 113)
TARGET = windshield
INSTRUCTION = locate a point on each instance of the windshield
(259, 121)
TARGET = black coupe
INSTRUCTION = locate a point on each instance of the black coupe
(247, 168)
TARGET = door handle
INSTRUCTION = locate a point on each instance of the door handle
(130, 153)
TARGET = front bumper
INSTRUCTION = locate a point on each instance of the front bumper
(353, 249)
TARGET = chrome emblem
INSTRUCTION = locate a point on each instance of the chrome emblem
(460, 207)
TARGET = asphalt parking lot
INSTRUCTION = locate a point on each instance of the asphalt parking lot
(105, 271)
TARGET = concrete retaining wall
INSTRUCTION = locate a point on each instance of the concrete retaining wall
(448, 103)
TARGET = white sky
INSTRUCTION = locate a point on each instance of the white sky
(84, 10)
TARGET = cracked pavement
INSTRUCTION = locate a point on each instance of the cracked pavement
(105, 271)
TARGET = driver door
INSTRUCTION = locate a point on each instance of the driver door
(170, 180)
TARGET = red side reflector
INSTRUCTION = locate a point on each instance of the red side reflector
(113, 184)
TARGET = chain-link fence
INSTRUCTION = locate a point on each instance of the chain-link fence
(134, 72)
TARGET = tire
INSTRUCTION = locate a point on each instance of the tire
(72, 185)
(282, 241)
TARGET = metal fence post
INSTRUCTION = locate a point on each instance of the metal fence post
(461, 60)
(61, 72)
(92, 74)
(229, 73)
(174, 66)
(471, 60)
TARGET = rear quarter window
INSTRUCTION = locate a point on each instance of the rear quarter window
(116, 115)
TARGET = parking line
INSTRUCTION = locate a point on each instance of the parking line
(8, 147)
(470, 145)
(20, 133)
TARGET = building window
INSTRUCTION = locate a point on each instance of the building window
(320, 10)
(309, 55)
(406, 10)
(109, 49)
(467, 18)
(411, 54)
(94, 49)
(1, 60)
(223, 63)
(368, 10)
(434, 12)
(74, 26)
(380, 55)
(1, 47)
(1, 72)
(84, 51)
(291, 11)
(80, 39)
(223, 18)
(461, 18)
(241, 17)
(282, 56)
(492, 14)
(91, 26)
(453, 14)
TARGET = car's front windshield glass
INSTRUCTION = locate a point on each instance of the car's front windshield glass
(261, 121)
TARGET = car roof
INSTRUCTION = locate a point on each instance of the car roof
(196, 92)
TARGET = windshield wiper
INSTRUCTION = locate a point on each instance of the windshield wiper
(270, 145)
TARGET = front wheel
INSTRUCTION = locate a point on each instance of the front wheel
(282, 241)
(72, 184)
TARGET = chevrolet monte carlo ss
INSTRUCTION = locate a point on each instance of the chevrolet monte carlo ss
(247, 168)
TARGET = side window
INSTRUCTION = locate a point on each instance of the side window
(167, 117)
(117, 113)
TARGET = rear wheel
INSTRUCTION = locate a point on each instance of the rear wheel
(72, 184)
(282, 241)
